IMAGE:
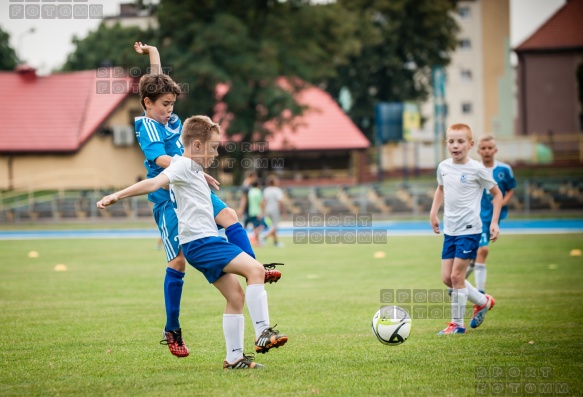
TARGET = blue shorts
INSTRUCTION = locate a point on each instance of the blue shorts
(485, 238)
(167, 222)
(463, 247)
(210, 255)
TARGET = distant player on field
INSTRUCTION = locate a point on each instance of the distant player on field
(461, 182)
(273, 206)
(504, 177)
(158, 133)
(218, 260)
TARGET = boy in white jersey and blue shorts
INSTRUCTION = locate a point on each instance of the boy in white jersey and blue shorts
(158, 133)
(218, 260)
(461, 182)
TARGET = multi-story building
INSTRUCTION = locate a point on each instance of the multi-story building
(478, 87)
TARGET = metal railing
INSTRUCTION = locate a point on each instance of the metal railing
(387, 200)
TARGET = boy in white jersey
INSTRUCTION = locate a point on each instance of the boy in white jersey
(461, 182)
(219, 260)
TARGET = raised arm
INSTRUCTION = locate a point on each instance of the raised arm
(137, 189)
(155, 62)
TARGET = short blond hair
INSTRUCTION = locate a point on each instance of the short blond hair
(460, 127)
(198, 127)
(487, 138)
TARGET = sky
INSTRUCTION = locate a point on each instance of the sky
(47, 47)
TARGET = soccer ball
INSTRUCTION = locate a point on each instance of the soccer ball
(391, 325)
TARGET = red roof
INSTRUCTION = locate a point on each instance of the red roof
(323, 126)
(58, 113)
(55, 113)
(561, 31)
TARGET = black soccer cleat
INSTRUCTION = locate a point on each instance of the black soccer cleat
(245, 362)
(269, 339)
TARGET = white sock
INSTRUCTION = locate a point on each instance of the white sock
(475, 296)
(256, 297)
(480, 276)
(459, 298)
(234, 330)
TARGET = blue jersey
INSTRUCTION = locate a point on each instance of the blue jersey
(157, 140)
(502, 174)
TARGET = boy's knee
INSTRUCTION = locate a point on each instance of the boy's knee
(178, 263)
(257, 274)
(227, 217)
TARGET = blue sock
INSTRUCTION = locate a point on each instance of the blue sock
(172, 294)
(238, 236)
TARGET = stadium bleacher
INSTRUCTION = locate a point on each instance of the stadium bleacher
(390, 199)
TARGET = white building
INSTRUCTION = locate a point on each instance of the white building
(479, 87)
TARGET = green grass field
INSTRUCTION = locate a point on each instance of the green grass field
(94, 329)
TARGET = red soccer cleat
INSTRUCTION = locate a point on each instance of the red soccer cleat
(272, 275)
(175, 343)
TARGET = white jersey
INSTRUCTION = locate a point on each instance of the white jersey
(272, 196)
(191, 197)
(463, 185)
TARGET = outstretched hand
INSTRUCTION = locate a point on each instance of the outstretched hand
(107, 201)
(143, 49)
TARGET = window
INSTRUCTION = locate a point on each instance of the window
(465, 44)
(464, 12)
(466, 108)
(466, 75)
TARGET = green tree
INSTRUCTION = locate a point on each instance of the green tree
(401, 40)
(8, 59)
(107, 46)
(249, 45)
(381, 50)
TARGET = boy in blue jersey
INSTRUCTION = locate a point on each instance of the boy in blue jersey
(218, 260)
(504, 177)
(158, 133)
